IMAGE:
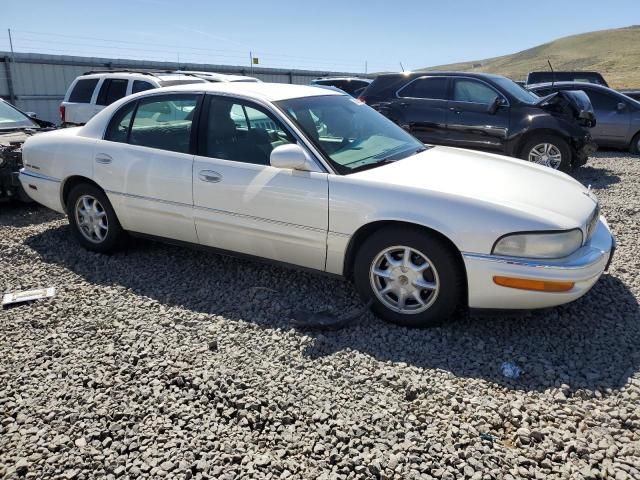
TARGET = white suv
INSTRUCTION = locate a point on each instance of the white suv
(93, 91)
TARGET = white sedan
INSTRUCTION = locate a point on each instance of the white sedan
(314, 178)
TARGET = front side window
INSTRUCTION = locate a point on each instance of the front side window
(351, 135)
(240, 131)
(602, 101)
(471, 91)
(83, 90)
(164, 122)
(112, 89)
(434, 88)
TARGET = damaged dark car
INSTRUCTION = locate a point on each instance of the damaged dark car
(487, 112)
(15, 128)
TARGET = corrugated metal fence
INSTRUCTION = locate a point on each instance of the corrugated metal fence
(37, 82)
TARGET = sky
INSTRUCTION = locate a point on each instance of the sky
(314, 35)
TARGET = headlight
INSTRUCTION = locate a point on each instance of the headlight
(539, 245)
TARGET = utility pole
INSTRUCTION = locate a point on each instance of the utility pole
(13, 57)
(365, 67)
(251, 61)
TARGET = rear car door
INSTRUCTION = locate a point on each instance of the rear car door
(471, 123)
(78, 107)
(243, 204)
(112, 89)
(421, 106)
(612, 125)
(145, 163)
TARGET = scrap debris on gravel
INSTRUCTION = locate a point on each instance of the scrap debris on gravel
(161, 361)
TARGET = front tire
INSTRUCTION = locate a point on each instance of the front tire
(548, 150)
(92, 219)
(635, 145)
(415, 279)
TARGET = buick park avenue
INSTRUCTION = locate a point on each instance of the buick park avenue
(317, 179)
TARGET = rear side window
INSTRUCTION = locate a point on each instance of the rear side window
(141, 86)
(434, 88)
(164, 122)
(118, 129)
(471, 91)
(112, 89)
(83, 90)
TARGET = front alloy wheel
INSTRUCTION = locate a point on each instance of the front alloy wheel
(404, 280)
(413, 277)
(546, 154)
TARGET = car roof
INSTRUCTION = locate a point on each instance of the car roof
(330, 79)
(159, 76)
(219, 76)
(438, 73)
(271, 92)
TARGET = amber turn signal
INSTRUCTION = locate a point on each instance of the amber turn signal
(537, 285)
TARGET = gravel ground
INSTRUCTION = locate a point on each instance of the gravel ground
(167, 362)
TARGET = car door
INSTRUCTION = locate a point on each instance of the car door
(421, 107)
(145, 163)
(471, 121)
(612, 124)
(112, 89)
(78, 106)
(244, 205)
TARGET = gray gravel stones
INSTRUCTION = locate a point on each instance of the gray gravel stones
(163, 362)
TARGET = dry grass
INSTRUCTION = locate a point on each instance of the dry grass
(615, 53)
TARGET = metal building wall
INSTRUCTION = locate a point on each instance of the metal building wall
(39, 81)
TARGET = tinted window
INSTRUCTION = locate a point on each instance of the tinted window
(602, 101)
(543, 92)
(83, 90)
(465, 90)
(434, 88)
(118, 128)
(112, 89)
(140, 86)
(240, 131)
(164, 122)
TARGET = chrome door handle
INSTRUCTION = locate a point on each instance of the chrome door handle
(209, 176)
(103, 158)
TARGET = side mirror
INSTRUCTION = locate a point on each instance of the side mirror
(293, 157)
(497, 102)
(622, 107)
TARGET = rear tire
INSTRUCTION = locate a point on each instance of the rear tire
(549, 150)
(404, 289)
(92, 219)
(635, 145)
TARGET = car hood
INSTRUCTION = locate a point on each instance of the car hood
(549, 198)
(574, 103)
(7, 137)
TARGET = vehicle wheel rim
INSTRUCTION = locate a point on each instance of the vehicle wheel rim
(546, 154)
(91, 219)
(404, 280)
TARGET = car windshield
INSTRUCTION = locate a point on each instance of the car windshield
(350, 134)
(12, 118)
(517, 91)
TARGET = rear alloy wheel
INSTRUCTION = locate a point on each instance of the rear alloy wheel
(93, 220)
(548, 150)
(413, 278)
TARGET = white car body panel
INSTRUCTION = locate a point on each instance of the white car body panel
(309, 218)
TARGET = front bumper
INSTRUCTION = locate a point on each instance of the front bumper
(584, 267)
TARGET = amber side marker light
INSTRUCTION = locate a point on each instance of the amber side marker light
(537, 285)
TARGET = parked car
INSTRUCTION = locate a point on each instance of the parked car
(354, 86)
(217, 77)
(175, 164)
(617, 115)
(548, 76)
(15, 127)
(487, 112)
(635, 94)
(92, 91)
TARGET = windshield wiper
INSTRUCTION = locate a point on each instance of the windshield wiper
(367, 166)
